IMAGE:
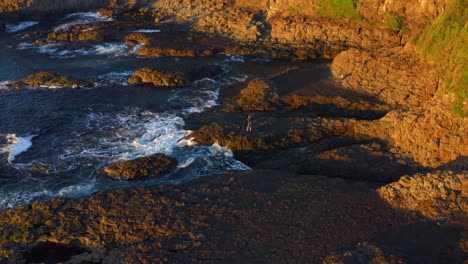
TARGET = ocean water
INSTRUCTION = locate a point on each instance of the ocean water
(54, 139)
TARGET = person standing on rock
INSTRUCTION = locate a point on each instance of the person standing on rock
(249, 123)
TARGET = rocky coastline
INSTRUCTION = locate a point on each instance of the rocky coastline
(373, 169)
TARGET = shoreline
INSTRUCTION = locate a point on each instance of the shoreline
(336, 163)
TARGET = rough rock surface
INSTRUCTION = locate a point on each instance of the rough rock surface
(265, 216)
(438, 195)
(94, 32)
(141, 168)
(49, 79)
(395, 76)
(364, 253)
(258, 95)
(413, 12)
(385, 122)
(429, 135)
(364, 161)
(157, 78)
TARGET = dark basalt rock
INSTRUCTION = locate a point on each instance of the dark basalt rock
(141, 168)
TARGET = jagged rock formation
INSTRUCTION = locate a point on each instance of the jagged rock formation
(50, 79)
(364, 253)
(439, 195)
(430, 134)
(381, 118)
(414, 12)
(395, 76)
(257, 96)
(223, 218)
(157, 78)
(141, 168)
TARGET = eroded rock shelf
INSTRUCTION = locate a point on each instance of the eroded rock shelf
(371, 169)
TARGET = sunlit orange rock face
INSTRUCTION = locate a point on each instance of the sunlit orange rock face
(141, 168)
(369, 163)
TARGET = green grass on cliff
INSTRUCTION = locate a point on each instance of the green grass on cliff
(339, 9)
(445, 43)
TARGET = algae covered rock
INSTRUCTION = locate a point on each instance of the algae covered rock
(157, 78)
(141, 168)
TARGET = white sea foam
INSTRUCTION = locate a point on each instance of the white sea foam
(142, 133)
(16, 145)
(20, 26)
(147, 31)
(114, 78)
(25, 196)
(239, 78)
(82, 18)
(186, 163)
(136, 48)
(204, 94)
(11, 200)
(235, 58)
(131, 135)
(216, 148)
(116, 49)
(58, 50)
(77, 189)
(5, 85)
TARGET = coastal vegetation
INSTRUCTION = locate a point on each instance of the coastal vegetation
(339, 9)
(444, 42)
(213, 131)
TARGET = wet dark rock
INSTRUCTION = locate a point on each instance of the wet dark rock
(193, 221)
(52, 253)
(141, 168)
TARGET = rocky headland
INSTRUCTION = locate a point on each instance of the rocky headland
(367, 166)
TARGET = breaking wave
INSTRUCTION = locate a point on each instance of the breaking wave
(16, 145)
(11, 28)
(82, 18)
(147, 31)
(59, 50)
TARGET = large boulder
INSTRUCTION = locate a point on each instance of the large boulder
(141, 168)
(258, 95)
(157, 78)
(50, 79)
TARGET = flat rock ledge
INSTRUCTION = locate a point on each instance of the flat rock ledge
(141, 168)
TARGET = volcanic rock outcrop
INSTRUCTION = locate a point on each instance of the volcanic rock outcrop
(379, 121)
(50, 79)
(440, 195)
(258, 95)
(140, 168)
(157, 78)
